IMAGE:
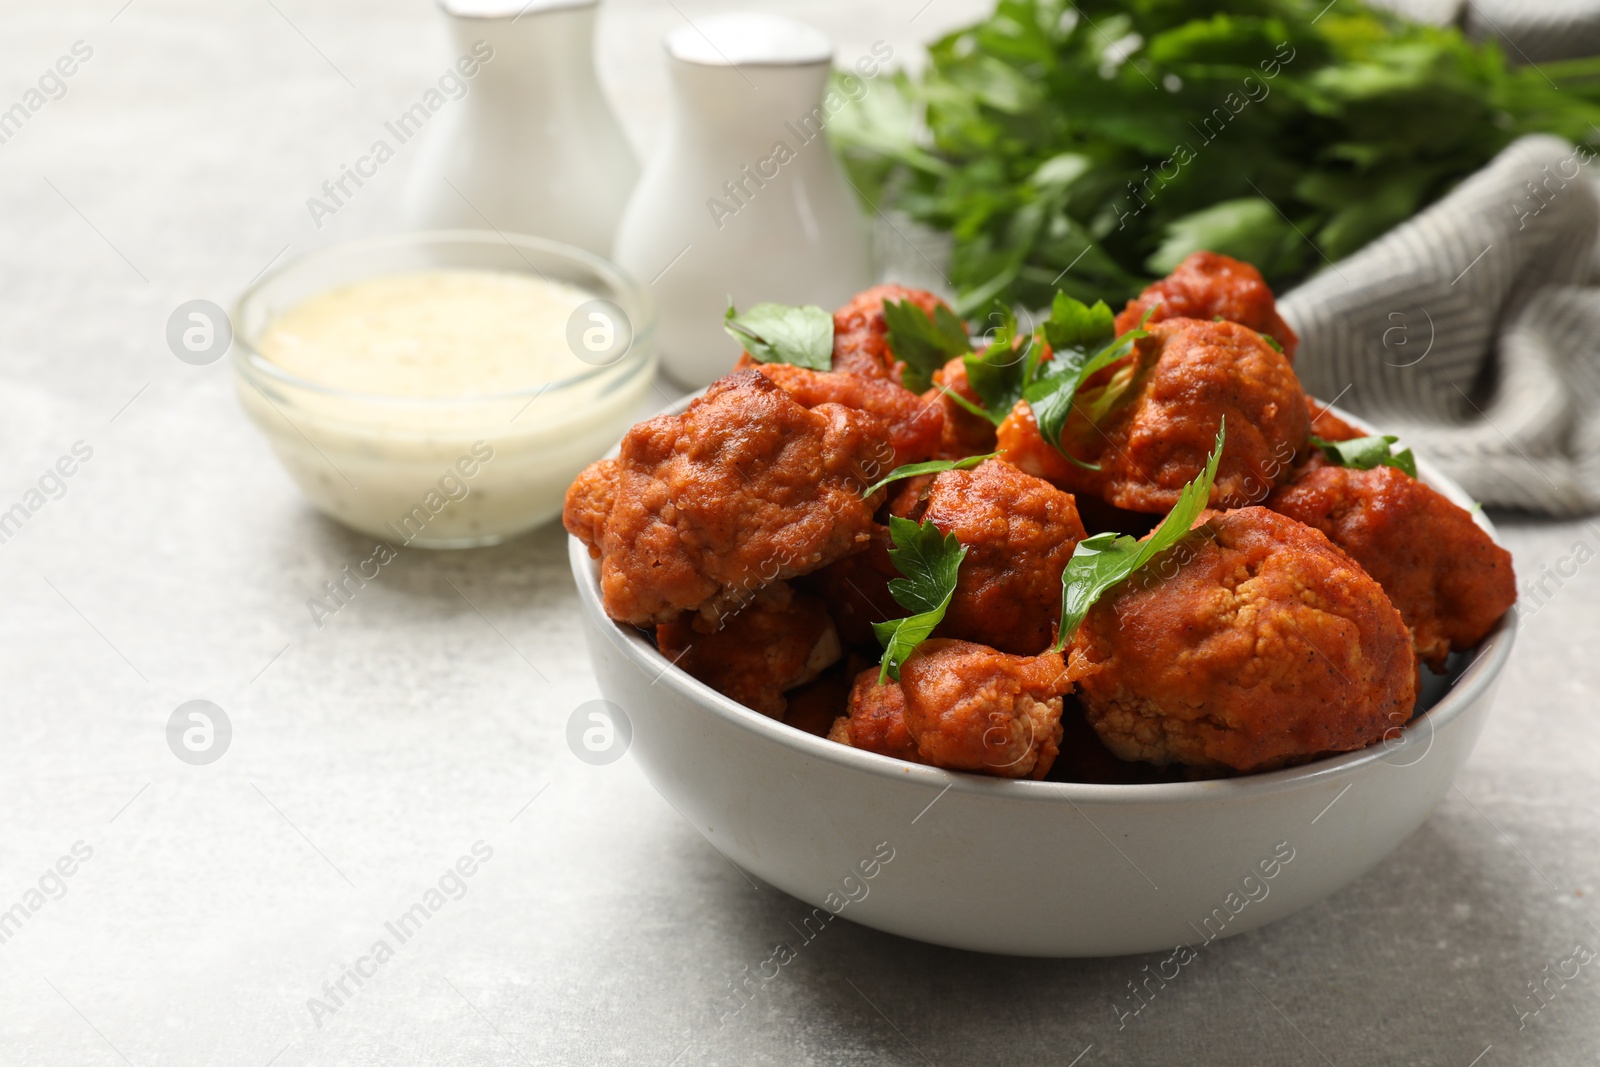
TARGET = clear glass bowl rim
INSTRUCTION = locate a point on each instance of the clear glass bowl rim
(250, 362)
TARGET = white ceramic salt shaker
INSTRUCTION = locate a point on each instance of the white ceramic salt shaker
(532, 147)
(745, 200)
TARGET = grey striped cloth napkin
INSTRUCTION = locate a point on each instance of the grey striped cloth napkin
(1528, 31)
(1473, 331)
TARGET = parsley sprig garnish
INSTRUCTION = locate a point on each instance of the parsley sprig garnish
(1083, 342)
(782, 333)
(1365, 453)
(930, 562)
(1101, 561)
(923, 342)
(932, 466)
(1002, 372)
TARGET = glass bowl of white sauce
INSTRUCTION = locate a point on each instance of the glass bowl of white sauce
(442, 389)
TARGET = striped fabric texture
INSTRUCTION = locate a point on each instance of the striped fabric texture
(1473, 331)
(1528, 31)
(1532, 31)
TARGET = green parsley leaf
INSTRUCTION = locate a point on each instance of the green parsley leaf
(1049, 161)
(1075, 325)
(1053, 396)
(1365, 453)
(1001, 372)
(1072, 329)
(930, 562)
(1101, 561)
(933, 466)
(780, 333)
(923, 342)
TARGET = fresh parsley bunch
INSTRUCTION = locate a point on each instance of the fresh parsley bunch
(1089, 145)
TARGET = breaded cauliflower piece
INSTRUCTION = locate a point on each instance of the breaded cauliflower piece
(964, 434)
(964, 707)
(860, 335)
(1157, 437)
(1020, 531)
(1207, 286)
(971, 708)
(1449, 579)
(915, 425)
(745, 488)
(877, 719)
(1328, 426)
(589, 501)
(777, 642)
(1252, 644)
(856, 590)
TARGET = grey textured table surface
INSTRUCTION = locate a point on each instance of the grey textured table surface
(370, 754)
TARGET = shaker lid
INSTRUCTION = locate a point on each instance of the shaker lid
(748, 38)
(511, 9)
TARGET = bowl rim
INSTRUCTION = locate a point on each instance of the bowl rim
(1472, 684)
(251, 363)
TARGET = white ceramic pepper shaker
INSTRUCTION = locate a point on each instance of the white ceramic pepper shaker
(532, 146)
(745, 200)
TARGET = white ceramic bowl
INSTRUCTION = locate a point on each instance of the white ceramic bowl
(1032, 868)
(450, 471)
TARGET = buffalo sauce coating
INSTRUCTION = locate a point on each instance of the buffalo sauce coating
(1190, 376)
(745, 488)
(1252, 644)
(1020, 531)
(1449, 579)
(962, 706)
(1207, 286)
(777, 642)
(915, 426)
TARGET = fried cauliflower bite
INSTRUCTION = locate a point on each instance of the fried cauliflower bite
(1156, 438)
(1020, 531)
(814, 706)
(777, 642)
(1020, 444)
(1085, 758)
(964, 434)
(1449, 579)
(856, 590)
(1207, 286)
(964, 707)
(745, 488)
(971, 708)
(861, 337)
(1328, 426)
(876, 719)
(915, 425)
(589, 501)
(1252, 644)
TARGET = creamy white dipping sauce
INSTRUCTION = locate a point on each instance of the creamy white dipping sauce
(457, 333)
(442, 408)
